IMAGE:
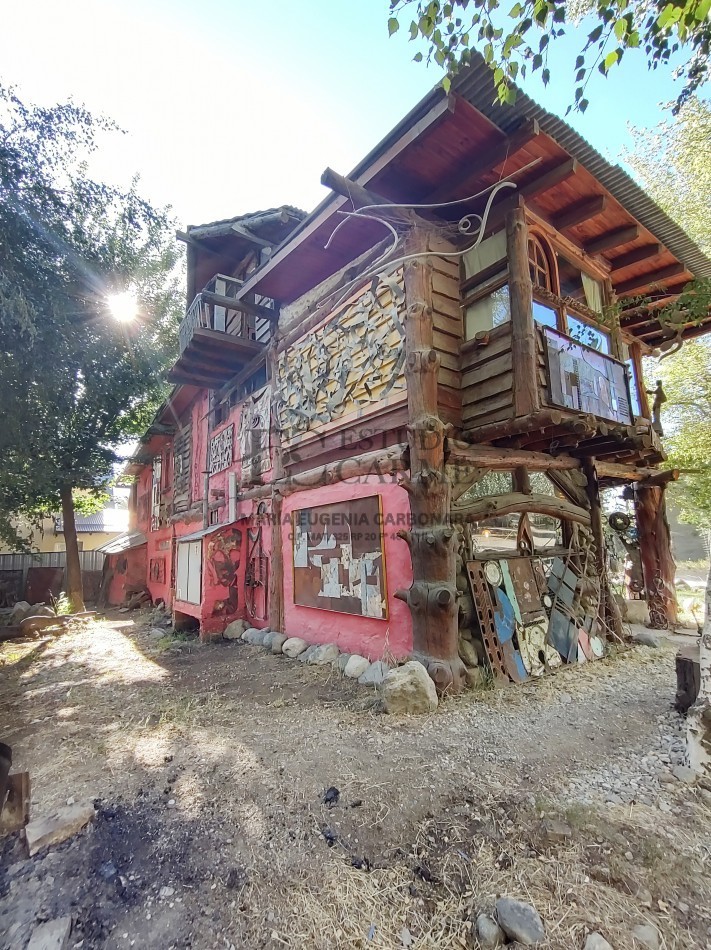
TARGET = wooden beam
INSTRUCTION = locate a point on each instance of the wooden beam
(612, 239)
(495, 506)
(244, 374)
(579, 212)
(566, 244)
(623, 473)
(386, 461)
(652, 277)
(459, 184)
(635, 256)
(660, 478)
(360, 196)
(245, 306)
(188, 379)
(326, 210)
(494, 458)
(549, 179)
(243, 232)
(515, 426)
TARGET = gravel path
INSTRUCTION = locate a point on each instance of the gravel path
(209, 766)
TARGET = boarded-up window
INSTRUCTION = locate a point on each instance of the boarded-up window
(182, 445)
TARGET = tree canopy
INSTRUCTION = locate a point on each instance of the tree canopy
(74, 382)
(671, 161)
(515, 39)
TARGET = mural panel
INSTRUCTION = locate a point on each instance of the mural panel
(224, 553)
(339, 562)
(354, 360)
(583, 379)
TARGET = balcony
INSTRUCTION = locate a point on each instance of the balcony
(582, 397)
(220, 334)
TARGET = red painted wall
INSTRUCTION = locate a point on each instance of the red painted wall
(130, 571)
(353, 634)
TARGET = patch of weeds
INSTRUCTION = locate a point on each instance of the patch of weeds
(172, 637)
(61, 605)
(650, 851)
(192, 709)
(580, 816)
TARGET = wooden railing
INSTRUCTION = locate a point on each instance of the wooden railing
(216, 308)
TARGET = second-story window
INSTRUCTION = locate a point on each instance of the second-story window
(544, 280)
(539, 264)
(156, 492)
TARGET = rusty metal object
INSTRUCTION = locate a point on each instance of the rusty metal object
(525, 587)
(485, 615)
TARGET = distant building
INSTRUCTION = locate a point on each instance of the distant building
(93, 530)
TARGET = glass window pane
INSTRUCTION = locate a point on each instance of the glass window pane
(547, 532)
(634, 390)
(496, 535)
(545, 315)
(493, 483)
(587, 334)
(489, 312)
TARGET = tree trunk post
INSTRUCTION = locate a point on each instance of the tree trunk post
(74, 588)
(698, 720)
(655, 552)
(523, 328)
(612, 613)
(432, 540)
(276, 565)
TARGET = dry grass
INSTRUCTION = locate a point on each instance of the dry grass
(471, 861)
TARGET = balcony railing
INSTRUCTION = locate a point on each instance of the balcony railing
(212, 310)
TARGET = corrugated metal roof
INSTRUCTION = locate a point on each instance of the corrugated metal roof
(124, 542)
(251, 219)
(476, 85)
(110, 519)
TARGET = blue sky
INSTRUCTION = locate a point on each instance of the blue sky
(230, 106)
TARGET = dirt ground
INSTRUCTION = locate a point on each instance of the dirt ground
(208, 766)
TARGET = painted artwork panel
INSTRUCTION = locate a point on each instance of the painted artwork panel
(585, 380)
(339, 562)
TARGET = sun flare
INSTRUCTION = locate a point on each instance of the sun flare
(123, 306)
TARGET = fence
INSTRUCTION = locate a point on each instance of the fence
(36, 577)
(89, 560)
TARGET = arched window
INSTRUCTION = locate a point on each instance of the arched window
(539, 264)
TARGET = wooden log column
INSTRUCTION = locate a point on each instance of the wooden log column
(655, 552)
(523, 330)
(276, 565)
(612, 615)
(432, 540)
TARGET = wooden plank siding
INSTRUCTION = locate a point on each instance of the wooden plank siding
(447, 318)
(487, 380)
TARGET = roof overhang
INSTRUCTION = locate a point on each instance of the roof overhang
(124, 542)
(450, 147)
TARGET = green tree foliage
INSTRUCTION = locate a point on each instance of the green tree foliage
(514, 39)
(671, 161)
(74, 382)
(686, 378)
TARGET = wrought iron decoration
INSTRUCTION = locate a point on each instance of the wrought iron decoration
(221, 450)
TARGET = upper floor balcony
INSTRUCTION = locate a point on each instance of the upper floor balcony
(545, 367)
(221, 334)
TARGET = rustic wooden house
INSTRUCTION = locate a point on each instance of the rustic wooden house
(392, 418)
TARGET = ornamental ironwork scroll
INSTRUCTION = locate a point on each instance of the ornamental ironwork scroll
(254, 427)
(221, 446)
